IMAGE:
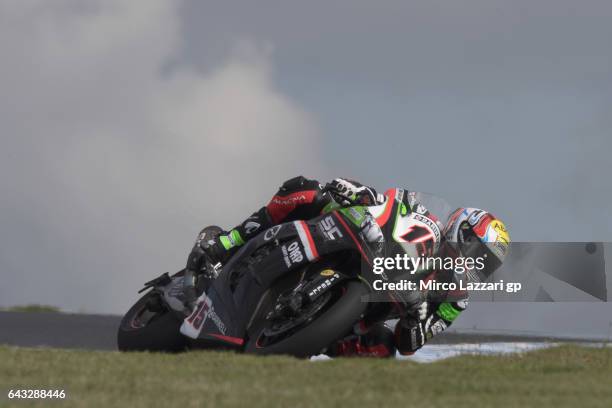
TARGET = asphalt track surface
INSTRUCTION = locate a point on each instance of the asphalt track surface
(99, 332)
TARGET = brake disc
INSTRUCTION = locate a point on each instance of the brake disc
(283, 324)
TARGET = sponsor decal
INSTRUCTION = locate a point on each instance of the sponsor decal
(494, 231)
(500, 229)
(371, 231)
(289, 200)
(271, 232)
(411, 198)
(399, 193)
(251, 226)
(217, 320)
(325, 284)
(502, 239)
(329, 229)
(281, 206)
(431, 224)
(355, 214)
(500, 249)
(292, 254)
(420, 209)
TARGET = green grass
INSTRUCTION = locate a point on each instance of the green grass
(559, 377)
(32, 308)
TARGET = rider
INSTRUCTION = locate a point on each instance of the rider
(465, 233)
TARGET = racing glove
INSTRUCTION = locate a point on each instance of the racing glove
(348, 192)
(412, 327)
(210, 247)
(411, 304)
(412, 333)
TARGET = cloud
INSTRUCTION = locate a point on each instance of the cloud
(114, 153)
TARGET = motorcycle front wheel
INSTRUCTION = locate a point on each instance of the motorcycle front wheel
(143, 329)
(327, 321)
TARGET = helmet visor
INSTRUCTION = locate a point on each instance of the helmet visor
(470, 246)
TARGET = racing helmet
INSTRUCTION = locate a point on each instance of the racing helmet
(475, 233)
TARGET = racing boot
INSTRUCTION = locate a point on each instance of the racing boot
(215, 246)
(203, 264)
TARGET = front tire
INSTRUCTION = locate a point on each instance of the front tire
(332, 324)
(158, 332)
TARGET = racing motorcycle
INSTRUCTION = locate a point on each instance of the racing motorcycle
(295, 289)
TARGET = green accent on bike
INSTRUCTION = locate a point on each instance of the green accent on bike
(356, 215)
(447, 312)
(403, 209)
(329, 207)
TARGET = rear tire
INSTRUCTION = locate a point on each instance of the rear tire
(331, 325)
(161, 333)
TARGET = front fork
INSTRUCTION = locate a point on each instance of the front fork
(195, 284)
(306, 292)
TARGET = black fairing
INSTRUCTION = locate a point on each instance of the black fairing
(238, 289)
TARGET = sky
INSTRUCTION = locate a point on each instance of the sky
(499, 104)
(125, 127)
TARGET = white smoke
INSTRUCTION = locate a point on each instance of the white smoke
(114, 154)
